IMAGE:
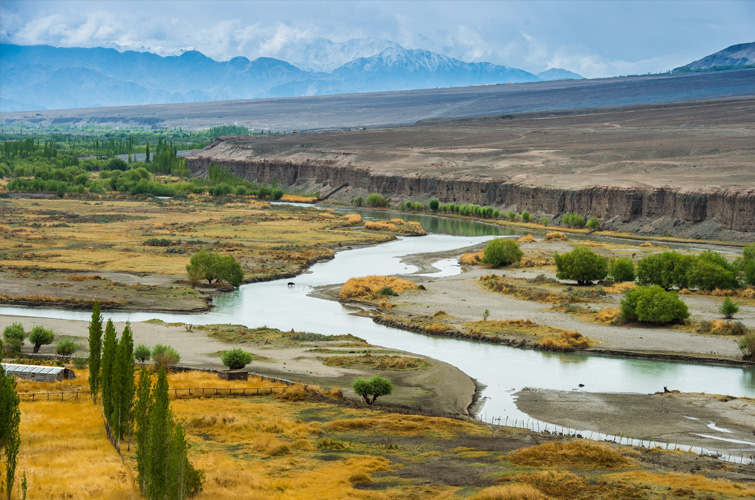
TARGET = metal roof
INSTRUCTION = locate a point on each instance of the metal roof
(46, 370)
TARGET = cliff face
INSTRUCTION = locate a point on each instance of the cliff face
(707, 213)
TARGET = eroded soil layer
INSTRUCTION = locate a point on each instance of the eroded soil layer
(684, 169)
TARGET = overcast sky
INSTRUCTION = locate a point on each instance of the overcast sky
(593, 38)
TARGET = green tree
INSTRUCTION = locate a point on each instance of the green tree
(372, 388)
(434, 204)
(376, 200)
(146, 159)
(593, 223)
(728, 308)
(747, 344)
(526, 216)
(142, 353)
(158, 439)
(501, 252)
(621, 269)
(14, 331)
(10, 422)
(122, 385)
(66, 347)
(40, 336)
(236, 359)
(107, 367)
(748, 252)
(185, 480)
(165, 356)
(582, 265)
(750, 272)
(95, 350)
(666, 269)
(708, 275)
(142, 409)
(215, 267)
(653, 305)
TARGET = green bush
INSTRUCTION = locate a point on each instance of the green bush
(142, 353)
(545, 221)
(750, 272)
(80, 362)
(214, 267)
(13, 347)
(40, 336)
(582, 265)
(66, 347)
(526, 216)
(357, 202)
(666, 269)
(502, 252)
(747, 344)
(376, 200)
(653, 305)
(434, 204)
(372, 388)
(728, 308)
(593, 223)
(236, 359)
(165, 356)
(621, 269)
(15, 331)
(709, 271)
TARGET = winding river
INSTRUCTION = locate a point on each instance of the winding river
(502, 370)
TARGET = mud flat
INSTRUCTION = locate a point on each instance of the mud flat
(684, 169)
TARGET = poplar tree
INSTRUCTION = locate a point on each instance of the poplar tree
(109, 347)
(10, 421)
(142, 410)
(159, 438)
(122, 385)
(95, 350)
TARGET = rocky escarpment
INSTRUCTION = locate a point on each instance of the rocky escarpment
(707, 213)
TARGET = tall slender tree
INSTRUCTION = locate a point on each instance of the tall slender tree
(95, 351)
(122, 385)
(109, 347)
(10, 421)
(142, 410)
(159, 439)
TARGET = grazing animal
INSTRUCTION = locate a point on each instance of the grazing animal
(291, 283)
(581, 385)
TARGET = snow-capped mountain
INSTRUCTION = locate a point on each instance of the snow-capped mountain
(323, 55)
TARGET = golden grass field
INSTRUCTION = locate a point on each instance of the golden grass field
(304, 446)
(369, 287)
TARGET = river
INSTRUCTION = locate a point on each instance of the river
(502, 370)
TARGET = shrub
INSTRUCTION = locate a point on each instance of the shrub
(728, 308)
(372, 388)
(66, 347)
(718, 327)
(165, 356)
(142, 353)
(236, 359)
(276, 193)
(376, 200)
(80, 362)
(13, 347)
(526, 216)
(593, 223)
(502, 252)
(621, 269)
(666, 269)
(747, 344)
(14, 331)
(215, 267)
(750, 272)
(653, 305)
(545, 221)
(709, 271)
(40, 336)
(434, 204)
(582, 265)
(357, 202)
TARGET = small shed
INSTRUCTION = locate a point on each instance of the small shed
(39, 373)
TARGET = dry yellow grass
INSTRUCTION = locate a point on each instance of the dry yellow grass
(572, 454)
(622, 287)
(471, 259)
(688, 484)
(396, 226)
(565, 342)
(608, 316)
(377, 361)
(352, 219)
(509, 492)
(295, 198)
(556, 236)
(66, 455)
(368, 286)
(527, 238)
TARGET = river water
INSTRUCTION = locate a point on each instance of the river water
(502, 370)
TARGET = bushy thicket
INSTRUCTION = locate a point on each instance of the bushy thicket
(706, 271)
(581, 264)
(653, 305)
(501, 252)
(621, 269)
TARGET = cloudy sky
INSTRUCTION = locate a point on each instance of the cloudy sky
(593, 38)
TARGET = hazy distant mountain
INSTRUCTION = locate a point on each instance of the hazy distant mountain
(44, 77)
(324, 55)
(737, 56)
(559, 74)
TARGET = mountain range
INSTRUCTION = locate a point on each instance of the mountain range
(741, 55)
(44, 77)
